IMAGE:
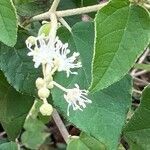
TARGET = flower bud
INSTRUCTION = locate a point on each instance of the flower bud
(50, 85)
(31, 40)
(45, 29)
(43, 93)
(49, 78)
(46, 109)
(40, 83)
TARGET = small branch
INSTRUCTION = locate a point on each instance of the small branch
(141, 81)
(70, 12)
(31, 112)
(147, 6)
(53, 30)
(59, 86)
(54, 6)
(141, 59)
(64, 23)
(78, 11)
(2, 134)
(137, 91)
(18, 144)
(140, 73)
(60, 125)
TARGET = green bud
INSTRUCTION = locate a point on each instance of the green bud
(50, 85)
(43, 93)
(40, 83)
(48, 78)
(46, 109)
(45, 29)
(31, 39)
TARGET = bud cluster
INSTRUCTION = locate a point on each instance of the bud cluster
(43, 86)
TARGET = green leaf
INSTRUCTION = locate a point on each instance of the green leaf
(122, 33)
(8, 146)
(17, 66)
(8, 23)
(14, 108)
(83, 37)
(84, 142)
(137, 131)
(34, 125)
(29, 8)
(105, 117)
(22, 1)
(76, 144)
(142, 66)
(3, 140)
(91, 142)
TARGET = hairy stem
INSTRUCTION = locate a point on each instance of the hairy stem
(70, 12)
(137, 91)
(64, 23)
(141, 59)
(60, 125)
(77, 11)
(59, 86)
(54, 6)
(147, 6)
(54, 24)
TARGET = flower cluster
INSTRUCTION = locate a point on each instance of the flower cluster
(53, 53)
(54, 56)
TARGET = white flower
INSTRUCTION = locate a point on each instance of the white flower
(76, 98)
(42, 51)
(53, 53)
(65, 63)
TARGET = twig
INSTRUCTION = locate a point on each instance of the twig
(64, 23)
(141, 81)
(60, 125)
(137, 91)
(147, 6)
(140, 73)
(53, 26)
(18, 144)
(2, 134)
(32, 110)
(54, 6)
(70, 12)
(78, 11)
(141, 59)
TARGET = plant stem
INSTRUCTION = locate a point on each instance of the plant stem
(141, 59)
(59, 86)
(143, 82)
(32, 110)
(147, 6)
(137, 91)
(64, 23)
(53, 30)
(140, 73)
(60, 125)
(77, 11)
(54, 6)
(70, 12)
